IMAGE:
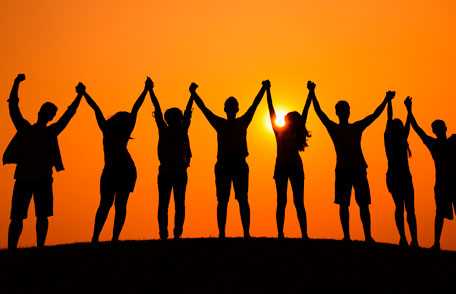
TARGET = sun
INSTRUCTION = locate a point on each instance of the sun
(279, 121)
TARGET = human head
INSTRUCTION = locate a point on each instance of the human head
(397, 127)
(231, 107)
(343, 110)
(439, 128)
(119, 123)
(47, 112)
(295, 124)
(173, 116)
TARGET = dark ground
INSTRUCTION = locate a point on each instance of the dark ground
(228, 266)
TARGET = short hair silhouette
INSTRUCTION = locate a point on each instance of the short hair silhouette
(231, 105)
(47, 111)
(439, 128)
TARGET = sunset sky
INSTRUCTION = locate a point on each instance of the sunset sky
(353, 49)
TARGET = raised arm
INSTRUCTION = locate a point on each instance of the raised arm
(210, 116)
(188, 112)
(158, 115)
(427, 140)
(305, 110)
(248, 115)
(140, 100)
(63, 121)
(408, 120)
(13, 104)
(272, 114)
(365, 122)
(321, 115)
(98, 113)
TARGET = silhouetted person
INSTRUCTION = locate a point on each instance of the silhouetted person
(351, 167)
(35, 151)
(231, 166)
(119, 174)
(398, 177)
(442, 149)
(174, 154)
(291, 139)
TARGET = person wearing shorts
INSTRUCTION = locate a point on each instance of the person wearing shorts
(351, 167)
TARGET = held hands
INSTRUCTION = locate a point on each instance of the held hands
(149, 84)
(390, 95)
(80, 89)
(408, 103)
(192, 88)
(311, 86)
(19, 78)
(266, 84)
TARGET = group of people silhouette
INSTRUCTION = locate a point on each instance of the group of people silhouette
(35, 151)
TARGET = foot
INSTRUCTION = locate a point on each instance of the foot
(222, 236)
(247, 235)
(346, 239)
(280, 236)
(305, 237)
(403, 243)
(414, 244)
(436, 247)
(370, 241)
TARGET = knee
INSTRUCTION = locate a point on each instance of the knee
(222, 202)
(16, 222)
(243, 202)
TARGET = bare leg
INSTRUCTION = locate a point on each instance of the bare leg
(281, 188)
(14, 232)
(344, 215)
(244, 209)
(41, 230)
(179, 203)
(106, 202)
(399, 217)
(366, 220)
(121, 212)
(164, 195)
(297, 185)
(438, 227)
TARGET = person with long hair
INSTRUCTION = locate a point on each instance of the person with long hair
(291, 139)
(119, 174)
(398, 177)
(174, 154)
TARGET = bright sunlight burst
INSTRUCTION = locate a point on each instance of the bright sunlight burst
(279, 121)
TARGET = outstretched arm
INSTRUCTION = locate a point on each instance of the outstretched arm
(210, 116)
(305, 110)
(321, 115)
(63, 121)
(140, 100)
(188, 112)
(98, 113)
(364, 123)
(427, 140)
(158, 115)
(248, 115)
(13, 104)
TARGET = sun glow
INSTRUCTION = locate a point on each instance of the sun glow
(279, 121)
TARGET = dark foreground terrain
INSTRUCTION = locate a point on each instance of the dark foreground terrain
(228, 266)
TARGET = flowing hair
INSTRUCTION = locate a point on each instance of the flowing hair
(298, 127)
(119, 124)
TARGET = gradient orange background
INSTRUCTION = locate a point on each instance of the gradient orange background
(353, 49)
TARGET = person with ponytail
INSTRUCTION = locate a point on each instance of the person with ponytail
(291, 139)
(398, 177)
(119, 174)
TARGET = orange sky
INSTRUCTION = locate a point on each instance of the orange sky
(355, 50)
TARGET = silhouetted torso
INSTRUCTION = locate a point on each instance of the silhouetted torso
(38, 154)
(232, 139)
(396, 151)
(116, 154)
(347, 142)
(287, 148)
(174, 147)
(443, 154)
